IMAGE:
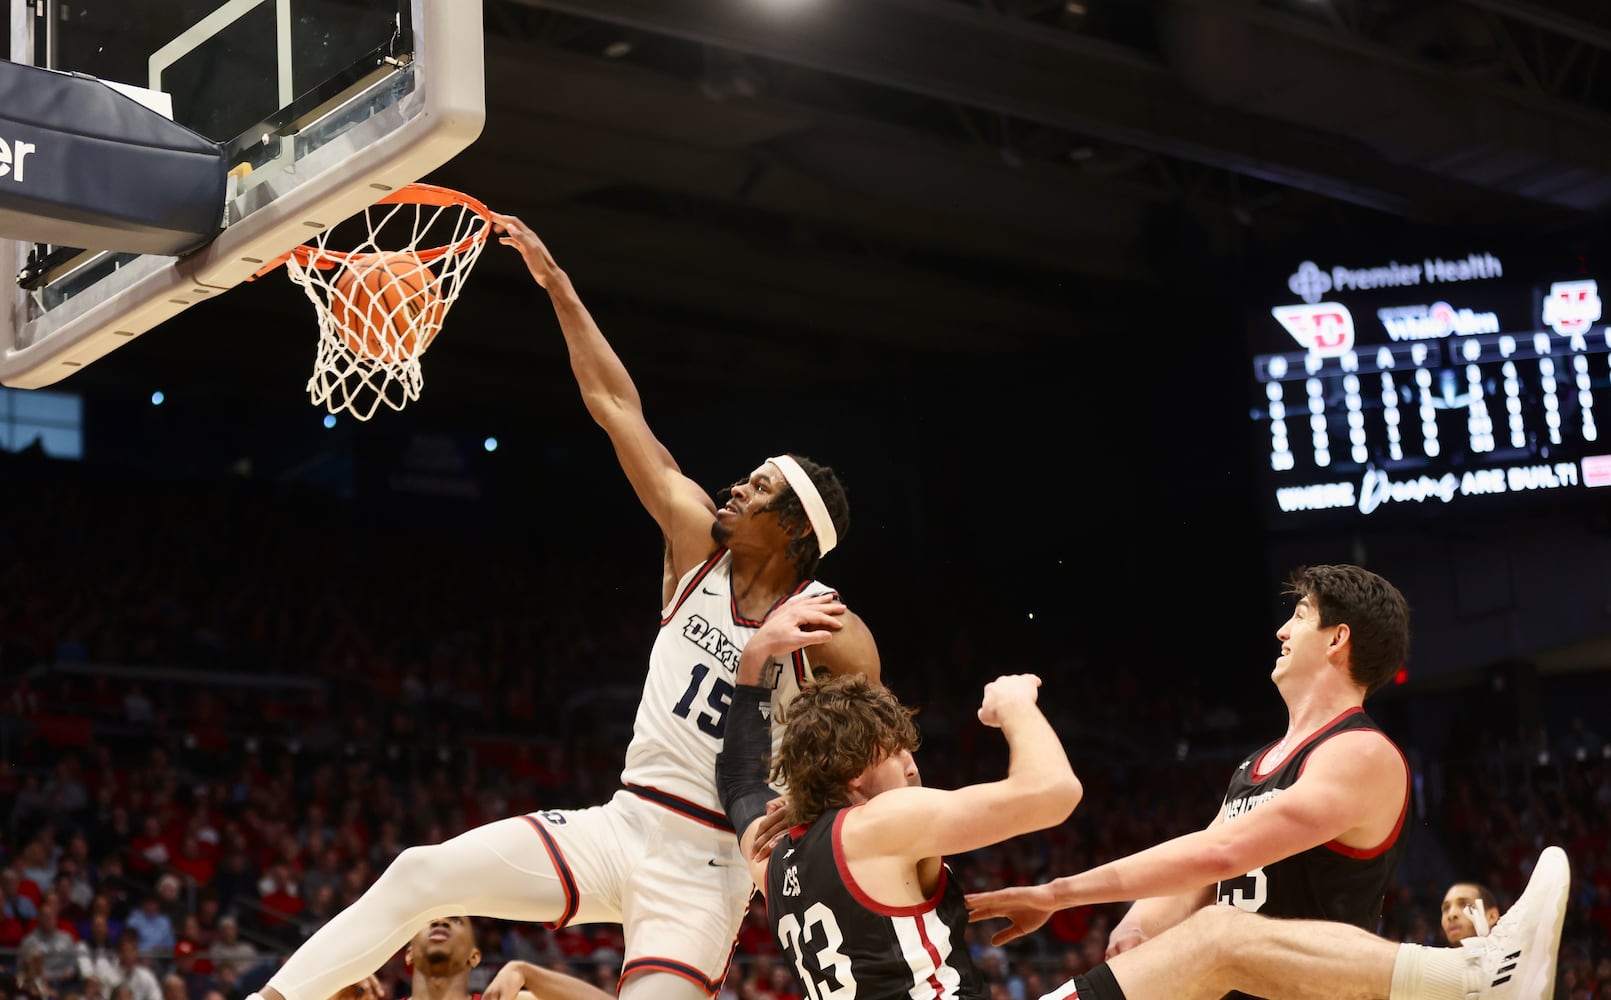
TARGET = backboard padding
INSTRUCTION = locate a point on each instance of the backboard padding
(385, 130)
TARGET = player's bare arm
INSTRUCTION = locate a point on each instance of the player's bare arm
(519, 980)
(682, 510)
(850, 651)
(1151, 916)
(1321, 807)
(1039, 791)
(1147, 918)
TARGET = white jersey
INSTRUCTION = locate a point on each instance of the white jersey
(682, 716)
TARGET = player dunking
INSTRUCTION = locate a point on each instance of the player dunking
(660, 857)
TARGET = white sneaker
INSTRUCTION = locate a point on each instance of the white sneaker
(1517, 960)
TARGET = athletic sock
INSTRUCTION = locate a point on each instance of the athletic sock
(1422, 973)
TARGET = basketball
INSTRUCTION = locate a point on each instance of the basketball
(382, 307)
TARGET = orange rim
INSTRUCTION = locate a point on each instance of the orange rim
(408, 194)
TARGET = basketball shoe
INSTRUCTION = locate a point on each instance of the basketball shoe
(1516, 960)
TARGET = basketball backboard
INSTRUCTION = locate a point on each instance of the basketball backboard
(324, 107)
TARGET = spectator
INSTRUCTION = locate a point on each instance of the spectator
(114, 885)
(17, 911)
(78, 852)
(195, 861)
(65, 790)
(199, 940)
(54, 939)
(152, 925)
(229, 983)
(36, 863)
(137, 708)
(1463, 904)
(173, 987)
(230, 950)
(197, 983)
(325, 872)
(237, 880)
(206, 917)
(148, 851)
(29, 802)
(31, 982)
(172, 901)
(132, 976)
(318, 911)
(97, 952)
(74, 888)
(102, 906)
(280, 895)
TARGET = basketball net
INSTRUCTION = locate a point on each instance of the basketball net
(369, 355)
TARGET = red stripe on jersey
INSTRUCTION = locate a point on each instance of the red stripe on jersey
(562, 869)
(934, 957)
(704, 571)
(671, 967)
(843, 864)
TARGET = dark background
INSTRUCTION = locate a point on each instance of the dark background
(992, 261)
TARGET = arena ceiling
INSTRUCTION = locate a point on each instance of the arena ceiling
(897, 179)
(879, 195)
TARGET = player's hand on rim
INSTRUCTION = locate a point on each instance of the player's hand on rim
(514, 233)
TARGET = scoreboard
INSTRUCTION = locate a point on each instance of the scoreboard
(1437, 384)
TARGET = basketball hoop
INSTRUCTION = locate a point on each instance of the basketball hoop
(381, 303)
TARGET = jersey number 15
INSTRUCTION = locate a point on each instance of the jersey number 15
(718, 699)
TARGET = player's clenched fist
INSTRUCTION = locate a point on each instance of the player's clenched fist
(1006, 694)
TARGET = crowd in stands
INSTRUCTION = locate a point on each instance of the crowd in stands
(209, 749)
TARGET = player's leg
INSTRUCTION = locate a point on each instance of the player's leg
(681, 911)
(523, 868)
(1220, 948)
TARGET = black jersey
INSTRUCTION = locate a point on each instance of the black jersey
(849, 946)
(1329, 882)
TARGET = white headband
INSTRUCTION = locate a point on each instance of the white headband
(816, 511)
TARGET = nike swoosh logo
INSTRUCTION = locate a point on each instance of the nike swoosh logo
(718, 864)
(712, 593)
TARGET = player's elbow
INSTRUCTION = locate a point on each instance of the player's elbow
(1051, 801)
(1226, 859)
(1064, 796)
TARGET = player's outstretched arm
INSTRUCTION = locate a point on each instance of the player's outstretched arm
(1324, 805)
(524, 981)
(683, 510)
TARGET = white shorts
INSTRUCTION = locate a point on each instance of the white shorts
(678, 887)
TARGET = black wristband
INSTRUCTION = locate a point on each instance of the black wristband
(746, 756)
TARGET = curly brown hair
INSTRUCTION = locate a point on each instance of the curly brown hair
(833, 731)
